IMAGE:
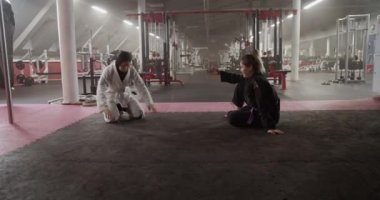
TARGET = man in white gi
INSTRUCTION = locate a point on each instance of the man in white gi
(114, 97)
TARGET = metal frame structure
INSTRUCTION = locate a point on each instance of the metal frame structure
(168, 31)
(348, 28)
(376, 70)
(257, 15)
(191, 12)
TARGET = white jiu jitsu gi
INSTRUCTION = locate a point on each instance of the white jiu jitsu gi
(112, 91)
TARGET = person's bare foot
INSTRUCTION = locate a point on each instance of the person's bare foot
(276, 132)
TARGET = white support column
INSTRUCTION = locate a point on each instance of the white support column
(108, 51)
(376, 74)
(296, 40)
(328, 47)
(66, 32)
(311, 48)
(141, 9)
(265, 36)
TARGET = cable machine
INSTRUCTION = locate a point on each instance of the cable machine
(352, 48)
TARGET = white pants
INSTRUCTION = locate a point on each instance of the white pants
(132, 105)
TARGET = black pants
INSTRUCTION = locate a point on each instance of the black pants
(241, 118)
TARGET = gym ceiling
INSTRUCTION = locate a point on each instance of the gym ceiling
(222, 28)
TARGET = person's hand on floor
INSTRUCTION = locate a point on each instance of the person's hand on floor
(152, 108)
(108, 113)
(276, 132)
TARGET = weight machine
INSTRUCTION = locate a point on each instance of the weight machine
(42, 62)
(269, 23)
(90, 69)
(157, 67)
(20, 65)
(352, 48)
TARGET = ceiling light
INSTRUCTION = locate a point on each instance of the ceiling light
(151, 34)
(312, 4)
(290, 16)
(128, 22)
(137, 27)
(157, 37)
(155, 5)
(99, 9)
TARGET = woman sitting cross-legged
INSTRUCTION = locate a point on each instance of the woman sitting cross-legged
(262, 105)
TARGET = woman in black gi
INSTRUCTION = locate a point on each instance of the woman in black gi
(257, 102)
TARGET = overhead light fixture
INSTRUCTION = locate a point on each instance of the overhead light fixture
(151, 34)
(137, 27)
(99, 9)
(157, 37)
(260, 32)
(290, 16)
(308, 6)
(155, 5)
(128, 22)
(272, 25)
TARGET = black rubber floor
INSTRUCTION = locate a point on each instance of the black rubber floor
(198, 156)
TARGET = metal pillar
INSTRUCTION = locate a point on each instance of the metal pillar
(376, 73)
(348, 54)
(275, 38)
(280, 40)
(5, 63)
(311, 49)
(265, 37)
(328, 47)
(254, 34)
(141, 9)
(66, 32)
(258, 29)
(365, 47)
(146, 42)
(167, 50)
(296, 40)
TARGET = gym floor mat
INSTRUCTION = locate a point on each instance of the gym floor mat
(324, 155)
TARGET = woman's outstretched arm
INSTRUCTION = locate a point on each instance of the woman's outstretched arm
(230, 77)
